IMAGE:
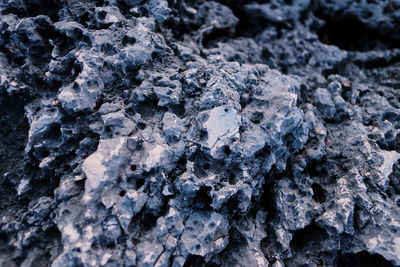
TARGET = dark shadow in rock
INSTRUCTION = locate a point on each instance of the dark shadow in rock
(194, 260)
(211, 40)
(364, 259)
(307, 247)
(352, 35)
(148, 108)
(318, 193)
(311, 236)
(203, 199)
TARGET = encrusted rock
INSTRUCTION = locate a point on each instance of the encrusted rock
(199, 133)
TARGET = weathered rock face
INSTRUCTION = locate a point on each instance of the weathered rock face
(199, 133)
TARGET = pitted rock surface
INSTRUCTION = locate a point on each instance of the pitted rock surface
(199, 133)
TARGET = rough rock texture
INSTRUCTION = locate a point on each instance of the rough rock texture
(199, 133)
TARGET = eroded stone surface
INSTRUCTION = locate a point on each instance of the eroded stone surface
(172, 133)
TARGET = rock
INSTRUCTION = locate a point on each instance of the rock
(160, 10)
(129, 206)
(166, 89)
(39, 211)
(37, 49)
(102, 166)
(212, 17)
(45, 124)
(107, 16)
(374, 14)
(204, 235)
(148, 253)
(118, 123)
(111, 229)
(199, 133)
(268, 11)
(283, 53)
(222, 126)
(83, 93)
(325, 104)
(173, 127)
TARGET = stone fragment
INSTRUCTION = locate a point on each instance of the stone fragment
(103, 167)
(205, 234)
(131, 204)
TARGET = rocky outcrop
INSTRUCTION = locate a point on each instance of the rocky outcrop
(199, 133)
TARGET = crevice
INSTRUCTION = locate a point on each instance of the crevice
(210, 40)
(148, 108)
(309, 237)
(319, 194)
(364, 259)
(203, 200)
(352, 35)
(306, 246)
(194, 261)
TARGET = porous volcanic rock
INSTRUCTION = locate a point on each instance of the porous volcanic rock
(199, 133)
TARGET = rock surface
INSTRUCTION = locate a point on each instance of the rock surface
(199, 133)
